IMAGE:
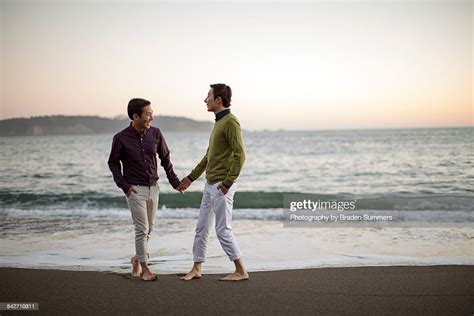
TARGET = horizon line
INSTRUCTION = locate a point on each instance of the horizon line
(257, 130)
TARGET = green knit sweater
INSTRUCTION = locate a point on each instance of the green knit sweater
(225, 155)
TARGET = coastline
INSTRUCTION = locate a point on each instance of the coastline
(388, 290)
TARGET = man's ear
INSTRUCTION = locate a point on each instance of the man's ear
(219, 100)
(135, 116)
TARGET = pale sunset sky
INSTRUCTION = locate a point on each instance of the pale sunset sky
(294, 66)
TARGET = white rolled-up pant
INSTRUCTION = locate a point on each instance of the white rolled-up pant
(143, 205)
(215, 204)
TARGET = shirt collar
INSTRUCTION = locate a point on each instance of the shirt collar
(221, 114)
(135, 132)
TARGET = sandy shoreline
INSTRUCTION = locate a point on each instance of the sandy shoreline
(395, 290)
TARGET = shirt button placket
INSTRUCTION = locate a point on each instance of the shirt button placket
(144, 159)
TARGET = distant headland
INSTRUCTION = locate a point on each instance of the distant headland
(77, 125)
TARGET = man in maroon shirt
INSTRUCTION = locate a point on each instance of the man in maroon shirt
(134, 150)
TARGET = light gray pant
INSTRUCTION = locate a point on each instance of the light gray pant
(214, 202)
(143, 205)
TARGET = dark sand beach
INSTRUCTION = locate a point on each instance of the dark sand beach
(396, 290)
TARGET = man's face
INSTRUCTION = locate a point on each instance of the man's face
(144, 121)
(212, 105)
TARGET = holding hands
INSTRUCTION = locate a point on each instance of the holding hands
(185, 183)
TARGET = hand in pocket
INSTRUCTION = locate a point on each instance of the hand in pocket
(221, 187)
(130, 191)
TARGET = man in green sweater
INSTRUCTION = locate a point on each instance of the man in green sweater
(222, 162)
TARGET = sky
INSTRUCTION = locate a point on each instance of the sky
(293, 66)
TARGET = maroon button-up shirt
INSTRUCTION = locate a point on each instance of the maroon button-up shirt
(137, 154)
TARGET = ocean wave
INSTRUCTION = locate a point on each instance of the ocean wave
(243, 200)
(124, 214)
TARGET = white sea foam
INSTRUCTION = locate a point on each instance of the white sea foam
(106, 245)
(415, 216)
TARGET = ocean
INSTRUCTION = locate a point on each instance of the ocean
(60, 208)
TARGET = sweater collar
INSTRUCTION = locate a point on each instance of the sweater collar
(221, 114)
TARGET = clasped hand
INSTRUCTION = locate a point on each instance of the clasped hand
(186, 183)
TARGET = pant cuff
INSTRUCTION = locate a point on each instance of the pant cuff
(142, 258)
(199, 259)
(236, 257)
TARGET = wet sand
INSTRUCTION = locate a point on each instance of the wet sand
(395, 290)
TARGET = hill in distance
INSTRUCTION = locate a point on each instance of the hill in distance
(83, 125)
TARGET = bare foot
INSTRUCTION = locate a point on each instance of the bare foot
(193, 274)
(147, 275)
(136, 268)
(236, 276)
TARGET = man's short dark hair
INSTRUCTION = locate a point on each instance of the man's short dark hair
(135, 106)
(224, 91)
